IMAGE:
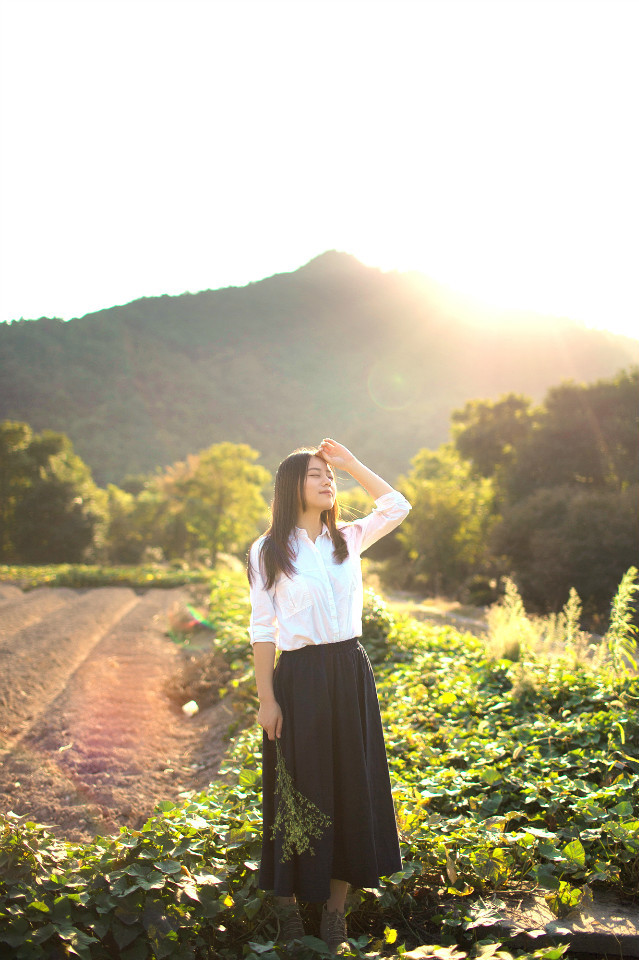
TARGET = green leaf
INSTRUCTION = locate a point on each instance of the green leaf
(190, 890)
(624, 809)
(124, 934)
(545, 876)
(39, 905)
(169, 867)
(154, 881)
(549, 851)
(210, 879)
(317, 946)
(249, 777)
(565, 899)
(575, 852)
(490, 775)
(252, 908)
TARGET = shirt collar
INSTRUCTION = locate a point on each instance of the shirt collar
(301, 532)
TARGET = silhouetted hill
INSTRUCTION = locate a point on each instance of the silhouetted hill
(375, 359)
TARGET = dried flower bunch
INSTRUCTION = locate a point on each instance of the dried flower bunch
(298, 820)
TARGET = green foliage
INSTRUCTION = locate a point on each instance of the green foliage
(511, 632)
(211, 502)
(514, 635)
(445, 533)
(488, 433)
(50, 509)
(52, 512)
(298, 820)
(124, 537)
(491, 789)
(377, 624)
(564, 537)
(79, 576)
(270, 364)
(583, 435)
(565, 486)
(620, 640)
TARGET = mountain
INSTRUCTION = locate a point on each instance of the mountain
(377, 360)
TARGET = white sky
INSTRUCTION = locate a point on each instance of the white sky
(159, 146)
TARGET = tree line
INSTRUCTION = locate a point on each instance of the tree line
(121, 382)
(51, 510)
(546, 494)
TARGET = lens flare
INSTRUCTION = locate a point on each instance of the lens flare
(392, 385)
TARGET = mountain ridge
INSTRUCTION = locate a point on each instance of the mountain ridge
(378, 359)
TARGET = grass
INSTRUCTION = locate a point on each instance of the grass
(86, 575)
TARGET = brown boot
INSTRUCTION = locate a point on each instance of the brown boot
(290, 923)
(333, 929)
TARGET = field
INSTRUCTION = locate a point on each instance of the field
(510, 776)
(91, 730)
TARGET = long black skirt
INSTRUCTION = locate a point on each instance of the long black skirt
(332, 744)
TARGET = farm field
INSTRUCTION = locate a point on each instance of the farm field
(515, 783)
(90, 736)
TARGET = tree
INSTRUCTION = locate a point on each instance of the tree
(213, 501)
(562, 537)
(125, 538)
(585, 435)
(445, 533)
(488, 433)
(563, 473)
(15, 475)
(51, 509)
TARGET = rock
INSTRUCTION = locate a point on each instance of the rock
(605, 925)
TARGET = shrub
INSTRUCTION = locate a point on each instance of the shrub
(377, 623)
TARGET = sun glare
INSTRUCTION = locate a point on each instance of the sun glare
(495, 284)
(242, 155)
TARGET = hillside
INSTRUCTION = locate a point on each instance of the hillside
(376, 359)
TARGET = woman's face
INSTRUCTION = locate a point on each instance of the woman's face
(319, 487)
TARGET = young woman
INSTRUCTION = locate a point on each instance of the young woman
(327, 807)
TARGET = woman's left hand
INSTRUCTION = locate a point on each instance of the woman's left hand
(336, 454)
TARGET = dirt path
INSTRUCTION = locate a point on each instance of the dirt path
(439, 611)
(89, 737)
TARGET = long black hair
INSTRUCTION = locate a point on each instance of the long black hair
(276, 552)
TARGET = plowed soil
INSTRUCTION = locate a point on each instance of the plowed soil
(92, 734)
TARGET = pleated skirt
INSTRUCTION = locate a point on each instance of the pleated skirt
(332, 745)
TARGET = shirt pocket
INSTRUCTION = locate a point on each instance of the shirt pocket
(293, 595)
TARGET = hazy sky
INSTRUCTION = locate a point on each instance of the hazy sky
(160, 146)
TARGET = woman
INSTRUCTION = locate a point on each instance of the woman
(328, 812)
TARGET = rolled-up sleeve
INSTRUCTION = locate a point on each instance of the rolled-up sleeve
(263, 623)
(390, 509)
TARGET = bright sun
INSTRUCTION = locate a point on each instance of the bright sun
(476, 142)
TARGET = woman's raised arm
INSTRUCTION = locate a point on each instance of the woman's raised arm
(339, 456)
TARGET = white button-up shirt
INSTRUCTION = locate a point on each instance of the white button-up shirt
(322, 601)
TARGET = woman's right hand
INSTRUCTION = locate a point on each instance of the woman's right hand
(269, 717)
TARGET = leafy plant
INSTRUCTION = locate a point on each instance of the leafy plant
(298, 820)
(512, 634)
(377, 623)
(490, 791)
(619, 640)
